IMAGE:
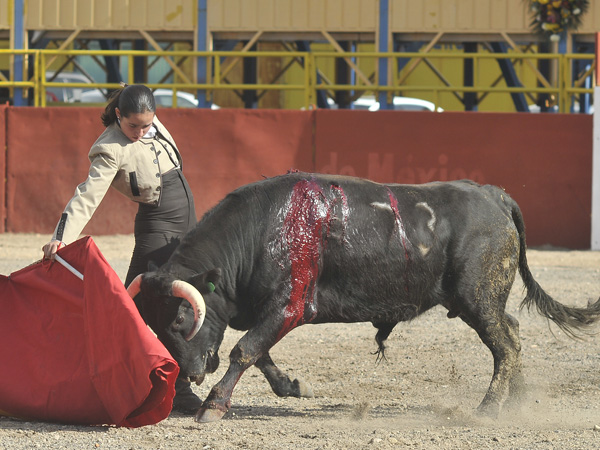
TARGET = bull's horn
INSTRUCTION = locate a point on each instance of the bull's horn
(134, 287)
(190, 293)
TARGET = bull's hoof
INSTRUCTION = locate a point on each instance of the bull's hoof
(205, 415)
(489, 410)
(303, 389)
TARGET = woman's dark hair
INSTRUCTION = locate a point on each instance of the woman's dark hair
(132, 99)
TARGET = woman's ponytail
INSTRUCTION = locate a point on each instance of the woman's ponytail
(109, 116)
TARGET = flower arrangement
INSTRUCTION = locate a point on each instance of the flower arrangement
(552, 17)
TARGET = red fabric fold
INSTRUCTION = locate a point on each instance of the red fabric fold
(77, 351)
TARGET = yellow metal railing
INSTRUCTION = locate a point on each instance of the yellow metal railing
(11, 83)
(213, 83)
(220, 65)
(562, 88)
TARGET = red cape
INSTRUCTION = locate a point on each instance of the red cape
(77, 351)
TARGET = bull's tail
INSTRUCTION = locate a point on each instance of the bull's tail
(573, 321)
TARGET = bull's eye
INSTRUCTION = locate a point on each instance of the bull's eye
(179, 320)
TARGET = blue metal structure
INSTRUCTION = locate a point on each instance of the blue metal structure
(383, 46)
(510, 75)
(19, 30)
(202, 40)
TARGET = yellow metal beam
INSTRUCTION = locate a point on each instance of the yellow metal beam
(298, 60)
(247, 47)
(63, 46)
(441, 76)
(589, 72)
(417, 61)
(516, 48)
(169, 61)
(339, 49)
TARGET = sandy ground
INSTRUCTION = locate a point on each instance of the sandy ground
(422, 397)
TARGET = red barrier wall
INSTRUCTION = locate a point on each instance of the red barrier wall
(47, 154)
(3, 109)
(542, 160)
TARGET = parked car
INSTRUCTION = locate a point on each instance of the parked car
(368, 102)
(164, 98)
(59, 94)
(92, 96)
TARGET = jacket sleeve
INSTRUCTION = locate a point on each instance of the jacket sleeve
(87, 197)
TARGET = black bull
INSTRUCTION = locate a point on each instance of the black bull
(309, 248)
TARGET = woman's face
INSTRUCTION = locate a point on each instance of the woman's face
(135, 125)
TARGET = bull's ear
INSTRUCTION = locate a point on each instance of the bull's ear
(207, 281)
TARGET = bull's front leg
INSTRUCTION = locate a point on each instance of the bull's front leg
(280, 382)
(252, 346)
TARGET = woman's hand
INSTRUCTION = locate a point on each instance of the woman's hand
(51, 248)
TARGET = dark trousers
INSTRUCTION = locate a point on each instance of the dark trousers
(159, 229)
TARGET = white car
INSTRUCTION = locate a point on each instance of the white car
(61, 94)
(368, 102)
(92, 96)
(164, 98)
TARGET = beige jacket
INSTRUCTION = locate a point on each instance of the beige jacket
(132, 168)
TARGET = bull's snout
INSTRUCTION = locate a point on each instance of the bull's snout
(196, 372)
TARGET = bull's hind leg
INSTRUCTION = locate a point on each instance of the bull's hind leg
(281, 384)
(516, 386)
(501, 336)
(482, 289)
